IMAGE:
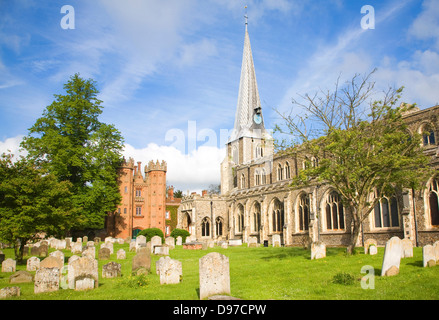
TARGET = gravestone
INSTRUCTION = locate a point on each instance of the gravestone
(224, 245)
(141, 260)
(368, 243)
(104, 253)
(428, 257)
(43, 250)
(407, 248)
(89, 252)
(155, 241)
(76, 247)
(139, 240)
(392, 257)
(9, 265)
(33, 264)
(83, 274)
(179, 241)
(35, 250)
(235, 242)
(170, 270)
(252, 242)
(132, 246)
(121, 254)
(73, 258)
(108, 245)
(436, 251)
(51, 262)
(373, 250)
(21, 277)
(57, 254)
(214, 273)
(170, 242)
(46, 280)
(111, 270)
(318, 250)
(9, 292)
(161, 250)
(275, 240)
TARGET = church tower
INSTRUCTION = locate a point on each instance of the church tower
(249, 141)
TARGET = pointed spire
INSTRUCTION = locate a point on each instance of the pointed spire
(248, 97)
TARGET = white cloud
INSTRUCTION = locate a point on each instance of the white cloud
(194, 171)
(426, 25)
(12, 145)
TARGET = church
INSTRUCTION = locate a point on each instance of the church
(257, 200)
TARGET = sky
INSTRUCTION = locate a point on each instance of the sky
(168, 70)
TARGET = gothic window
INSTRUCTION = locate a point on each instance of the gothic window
(304, 212)
(287, 171)
(259, 151)
(256, 217)
(428, 137)
(278, 216)
(263, 176)
(279, 172)
(334, 212)
(314, 162)
(219, 226)
(240, 219)
(242, 181)
(386, 213)
(257, 177)
(205, 227)
(434, 202)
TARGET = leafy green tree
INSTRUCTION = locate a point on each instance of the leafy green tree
(364, 151)
(151, 232)
(31, 202)
(180, 233)
(71, 143)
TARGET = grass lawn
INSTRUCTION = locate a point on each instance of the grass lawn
(259, 274)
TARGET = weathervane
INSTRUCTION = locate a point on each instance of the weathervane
(245, 16)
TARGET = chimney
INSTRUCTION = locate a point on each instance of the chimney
(204, 192)
(171, 193)
(138, 166)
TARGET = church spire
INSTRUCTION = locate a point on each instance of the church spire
(248, 111)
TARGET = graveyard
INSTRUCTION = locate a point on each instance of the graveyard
(255, 273)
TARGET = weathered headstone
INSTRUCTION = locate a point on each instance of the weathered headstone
(428, 257)
(179, 241)
(436, 251)
(89, 252)
(76, 247)
(83, 274)
(170, 242)
(392, 257)
(235, 242)
(252, 242)
(9, 292)
(111, 270)
(170, 270)
(161, 250)
(33, 264)
(141, 260)
(155, 241)
(9, 265)
(43, 250)
(407, 248)
(132, 246)
(121, 254)
(51, 262)
(276, 240)
(108, 245)
(21, 277)
(214, 273)
(46, 280)
(58, 254)
(104, 253)
(373, 250)
(318, 250)
(35, 250)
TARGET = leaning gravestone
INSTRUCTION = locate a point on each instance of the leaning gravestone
(83, 274)
(170, 270)
(51, 262)
(392, 257)
(214, 275)
(58, 254)
(428, 257)
(111, 270)
(21, 277)
(318, 250)
(9, 265)
(46, 280)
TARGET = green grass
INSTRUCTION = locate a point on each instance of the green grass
(260, 274)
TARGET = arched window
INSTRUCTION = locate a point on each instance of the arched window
(279, 172)
(434, 202)
(428, 136)
(257, 177)
(256, 217)
(219, 226)
(386, 213)
(334, 212)
(287, 171)
(240, 219)
(259, 151)
(278, 216)
(314, 162)
(205, 227)
(263, 176)
(303, 211)
(242, 181)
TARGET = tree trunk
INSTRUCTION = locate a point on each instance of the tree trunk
(354, 235)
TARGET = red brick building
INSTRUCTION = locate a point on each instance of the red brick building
(143, 203)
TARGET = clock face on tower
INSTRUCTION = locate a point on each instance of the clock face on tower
(257, 118)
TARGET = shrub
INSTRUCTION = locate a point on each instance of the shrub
(151, 232)
(343, 278)
(180, 232)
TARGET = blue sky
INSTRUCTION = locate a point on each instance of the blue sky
(168, 70)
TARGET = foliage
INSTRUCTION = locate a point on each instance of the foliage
(71, 143)
(151, 232)
(134, 281)
(344, 278)
(180, 232)
(31, 202)
(178, 194)
(364, 153)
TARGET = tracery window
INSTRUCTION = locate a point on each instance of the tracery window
(386, 213)
(278, 216)
(334, 212)
(434, 202)
(205, 227)
(303, 211)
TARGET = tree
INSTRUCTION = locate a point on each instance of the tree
(364, 151)
(31, 202)
(71, 143)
